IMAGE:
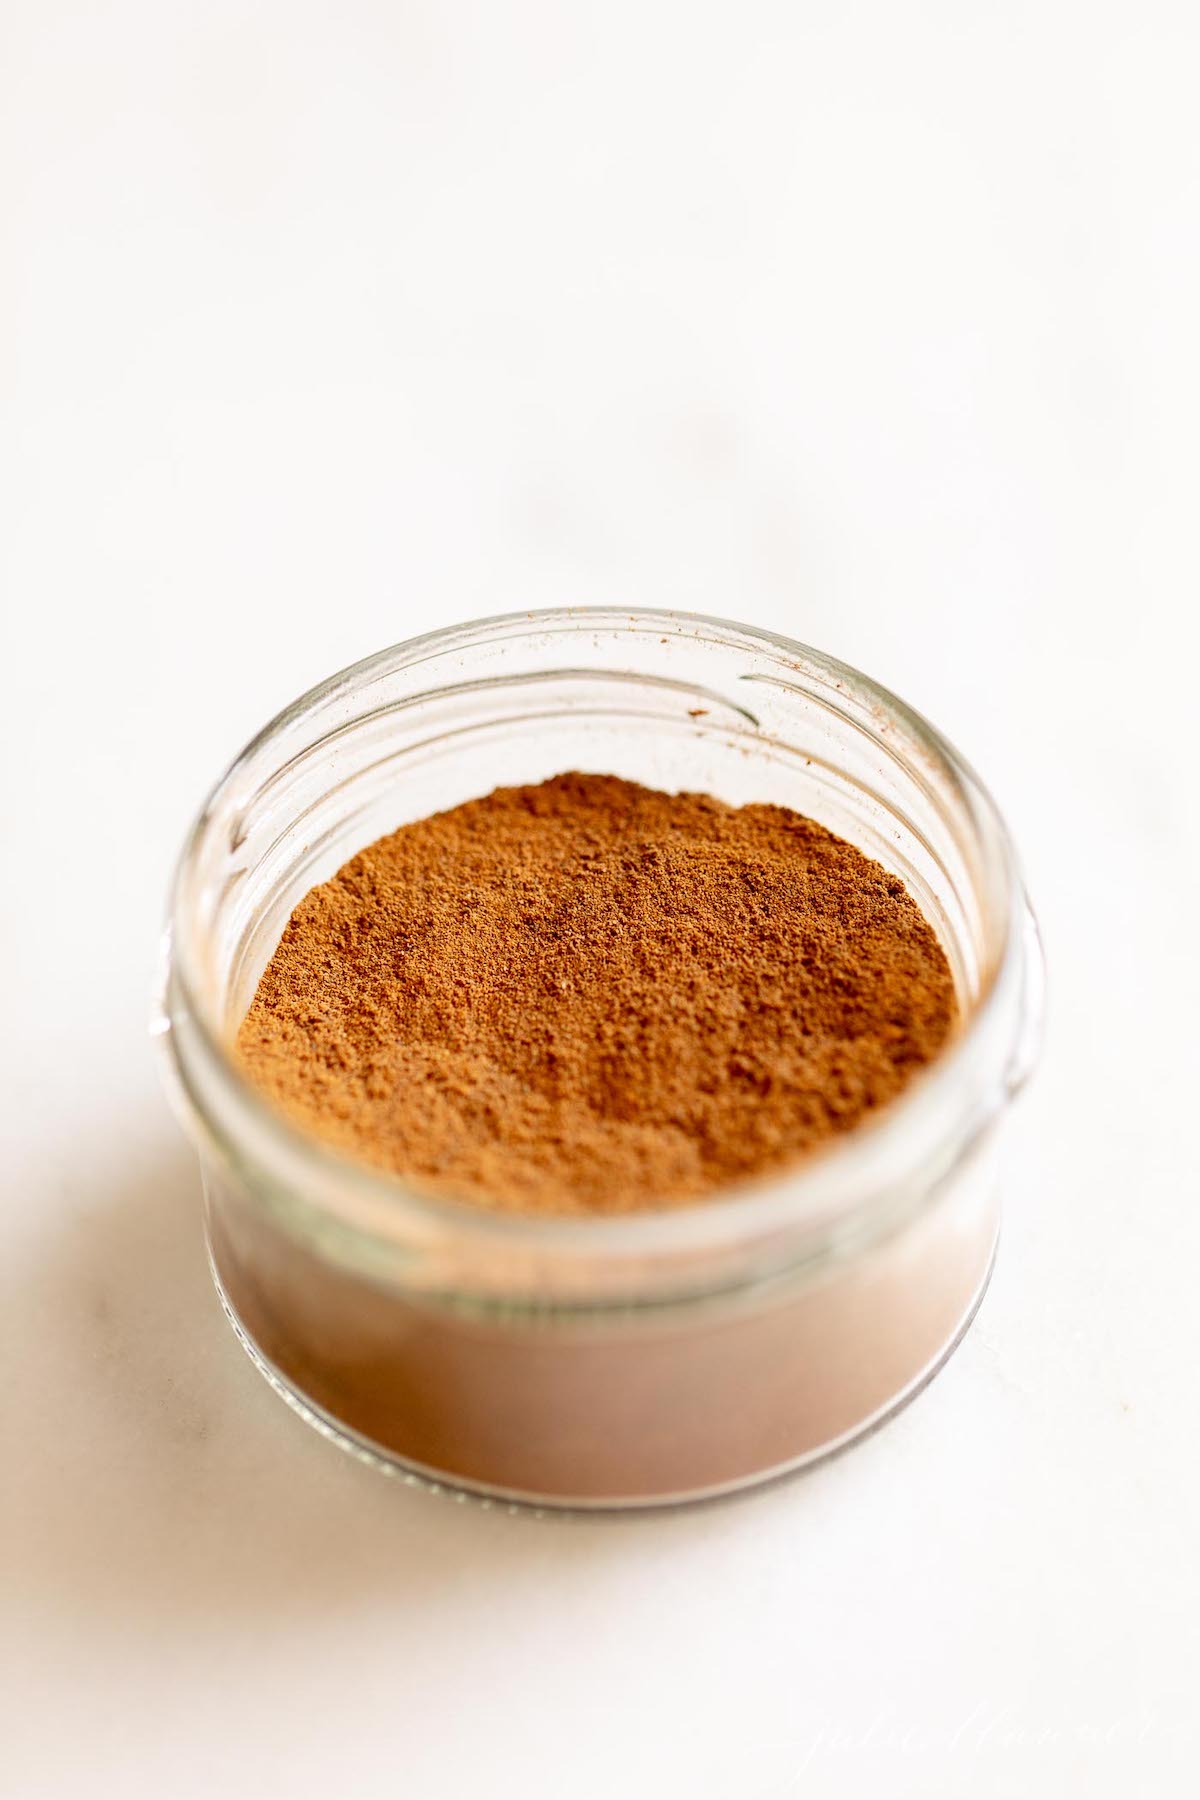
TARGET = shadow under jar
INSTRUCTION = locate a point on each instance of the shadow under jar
(615, 1361)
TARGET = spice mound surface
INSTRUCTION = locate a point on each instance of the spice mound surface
(590, 997)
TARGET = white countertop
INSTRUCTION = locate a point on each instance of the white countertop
(873, 325)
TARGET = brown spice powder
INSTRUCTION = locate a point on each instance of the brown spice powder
(587, 996)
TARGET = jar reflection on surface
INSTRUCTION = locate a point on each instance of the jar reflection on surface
(608, 1361)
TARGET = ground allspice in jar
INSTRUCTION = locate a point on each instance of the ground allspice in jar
(589, 997)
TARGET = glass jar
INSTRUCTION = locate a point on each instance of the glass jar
(615, 1361)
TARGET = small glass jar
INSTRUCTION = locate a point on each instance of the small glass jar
(618, 1361)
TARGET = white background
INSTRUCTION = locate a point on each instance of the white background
(328, 323)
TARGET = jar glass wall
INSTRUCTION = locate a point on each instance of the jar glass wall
(656, 1356)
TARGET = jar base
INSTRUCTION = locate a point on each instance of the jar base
(463, 1490)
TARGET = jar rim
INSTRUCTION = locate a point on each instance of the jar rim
(828, 1197)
